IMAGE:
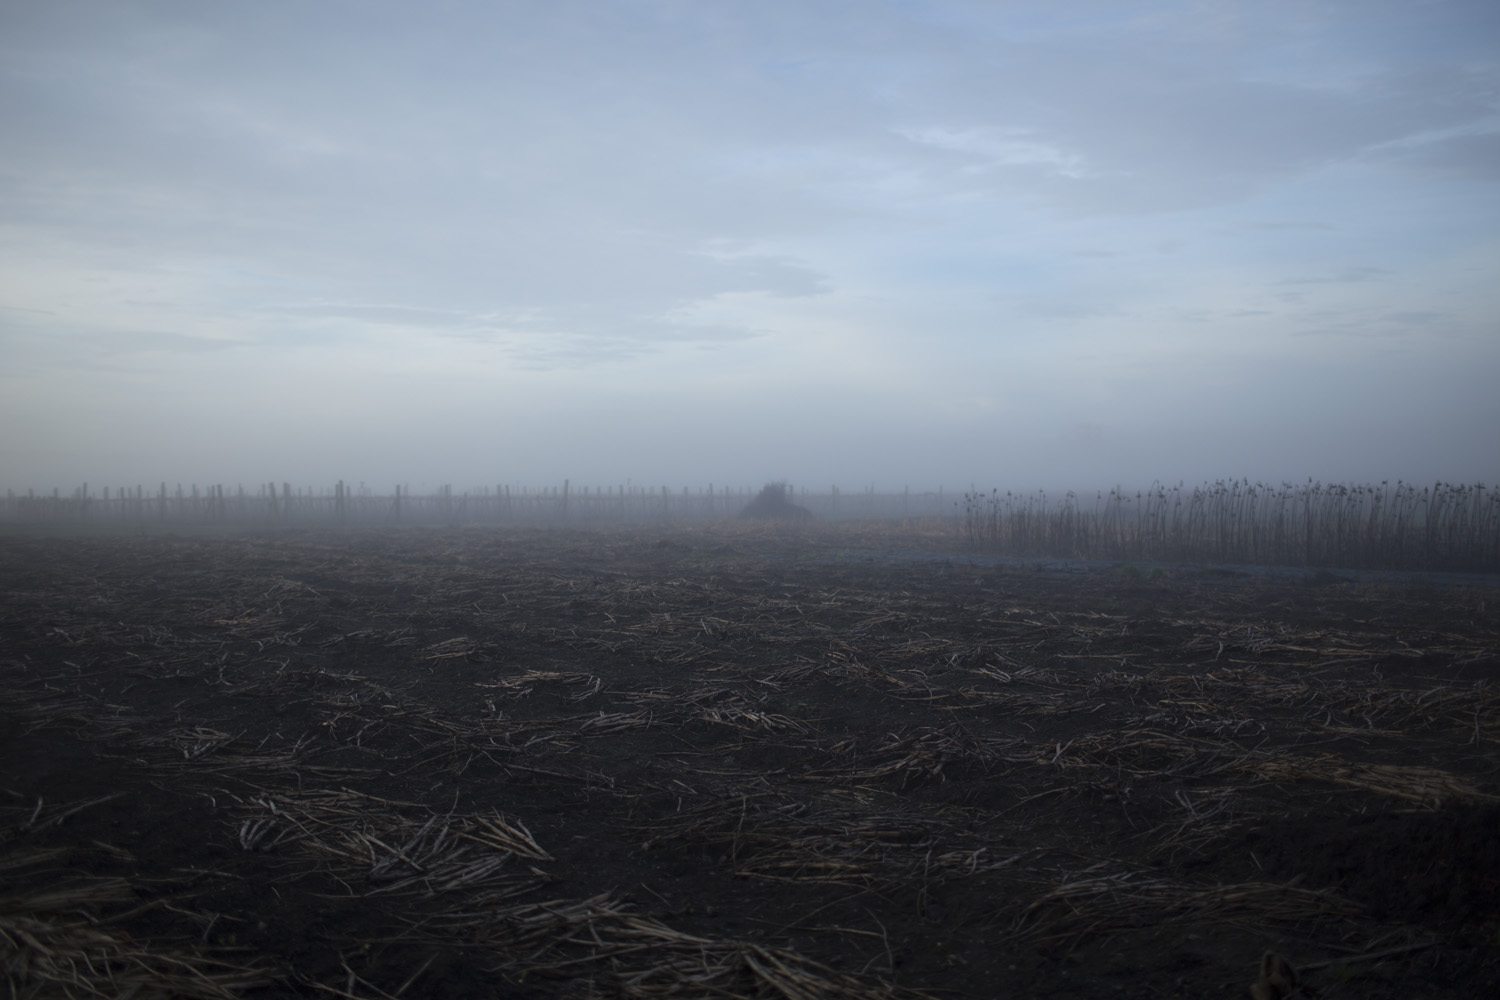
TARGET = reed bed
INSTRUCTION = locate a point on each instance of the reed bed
(1401, 526)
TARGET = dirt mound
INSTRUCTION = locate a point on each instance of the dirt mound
(774, 502)
(1436, 868)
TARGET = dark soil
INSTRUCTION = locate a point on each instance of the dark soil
(731, 762)
(1438, 867)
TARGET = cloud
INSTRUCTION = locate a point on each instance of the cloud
(1149, 116)
(1282, 227)
(1473, 155)
(1344, 276)
(775, 275)
(962, 227)
(392, 314)
(1001, 147)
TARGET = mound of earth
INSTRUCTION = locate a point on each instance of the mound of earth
(774, 503)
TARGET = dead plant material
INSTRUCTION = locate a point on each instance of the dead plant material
(1096, 904)
(393, 846)
(852, 728)
(61, 942)
(600, 941)
(1429, 787)
(457, 648)
(522, 684)
(829, 839)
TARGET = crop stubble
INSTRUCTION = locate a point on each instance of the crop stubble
(730, 762)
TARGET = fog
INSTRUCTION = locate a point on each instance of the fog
(1025, 245)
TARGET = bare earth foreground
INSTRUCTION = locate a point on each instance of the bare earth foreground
(730, 762)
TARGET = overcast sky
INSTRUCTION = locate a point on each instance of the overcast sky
(1051, 244)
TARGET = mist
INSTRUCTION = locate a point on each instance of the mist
(1012, 245)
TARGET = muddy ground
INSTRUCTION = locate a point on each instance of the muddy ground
(732, 762)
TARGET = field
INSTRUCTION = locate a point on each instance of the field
(733, 761)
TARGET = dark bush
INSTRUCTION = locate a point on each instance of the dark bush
(774, 502)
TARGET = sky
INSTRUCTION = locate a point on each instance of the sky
(1015, 245)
